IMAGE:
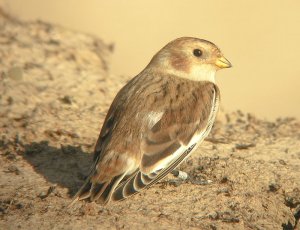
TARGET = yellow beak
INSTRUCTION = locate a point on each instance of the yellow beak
(222, 62)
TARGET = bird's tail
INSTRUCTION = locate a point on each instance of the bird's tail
(134, 184)
(119, 188)
(100, 192)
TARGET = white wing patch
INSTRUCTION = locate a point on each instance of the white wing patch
(153, 118)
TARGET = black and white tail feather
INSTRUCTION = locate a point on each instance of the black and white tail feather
(122, 186)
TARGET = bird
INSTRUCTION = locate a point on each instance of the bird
(156, 120)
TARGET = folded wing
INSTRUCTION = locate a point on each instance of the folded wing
(169, 141)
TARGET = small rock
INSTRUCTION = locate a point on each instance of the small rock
(213, 227)
(286, 150)
(233, 205)
(223, 190)
(292, 199)
(66, 100)
(273, 187)
(19, 205)
(213, 215)
(200, 168)
(282, 162)
(13, 169)
(244, 146)
(3, 210)
(231, 220)
(180, 174)
(45, 194)
(201, 182)
(224, 179)
(54, 42)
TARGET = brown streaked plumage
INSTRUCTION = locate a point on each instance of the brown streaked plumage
(156, 120)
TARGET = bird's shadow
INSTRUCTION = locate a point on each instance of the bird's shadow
(66, 166)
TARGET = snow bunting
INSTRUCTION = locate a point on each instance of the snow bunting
(156, 120)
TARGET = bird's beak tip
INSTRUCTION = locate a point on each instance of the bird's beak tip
(222, 62)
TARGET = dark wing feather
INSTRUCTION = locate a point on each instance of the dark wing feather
(140, 181)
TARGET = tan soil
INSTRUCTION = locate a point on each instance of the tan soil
(55, 89)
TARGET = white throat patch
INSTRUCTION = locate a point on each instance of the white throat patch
(197, 73)
(203, 73)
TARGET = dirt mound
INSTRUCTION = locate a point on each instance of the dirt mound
(55, 90)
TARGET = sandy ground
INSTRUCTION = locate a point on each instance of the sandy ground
(55, 89)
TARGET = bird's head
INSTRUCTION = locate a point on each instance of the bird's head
(191, 58)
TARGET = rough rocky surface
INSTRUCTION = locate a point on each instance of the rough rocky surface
(55, 89)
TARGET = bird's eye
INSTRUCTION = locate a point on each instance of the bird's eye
(197, 52)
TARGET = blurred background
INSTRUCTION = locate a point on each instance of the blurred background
(260, 38)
